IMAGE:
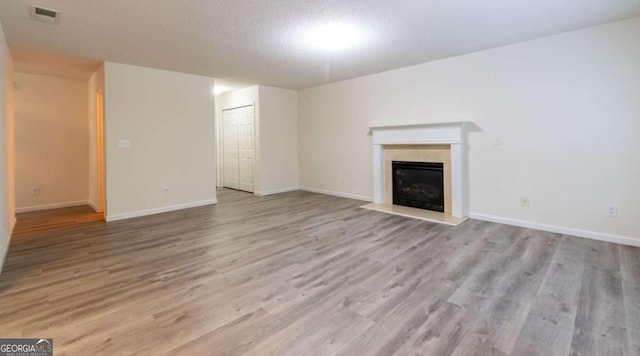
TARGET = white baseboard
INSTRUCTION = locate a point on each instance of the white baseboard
(276, 191)
(12, 224)
(139, 213)
(51, 206)
(94, 206)
(601, 236)
(338, 194)
(4, 250)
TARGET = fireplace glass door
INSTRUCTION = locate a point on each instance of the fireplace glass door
(418, 185)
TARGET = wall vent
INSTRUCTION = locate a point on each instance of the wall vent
(45, 15)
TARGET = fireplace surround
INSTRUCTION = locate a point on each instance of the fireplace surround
(450, 135)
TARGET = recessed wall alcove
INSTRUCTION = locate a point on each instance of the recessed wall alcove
(439, 142)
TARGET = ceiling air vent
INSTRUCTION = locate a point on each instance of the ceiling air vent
(45, 15)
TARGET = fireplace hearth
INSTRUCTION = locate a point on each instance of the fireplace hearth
(418, 185)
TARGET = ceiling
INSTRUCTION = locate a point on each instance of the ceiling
(260, 42)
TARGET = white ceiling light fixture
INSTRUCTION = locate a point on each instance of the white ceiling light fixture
(333, 37)
(219, 89)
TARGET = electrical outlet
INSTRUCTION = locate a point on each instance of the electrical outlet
(165, 190)
(35, 191)
(612, 211)
(497, 141)
(524, 202)
(123, 143)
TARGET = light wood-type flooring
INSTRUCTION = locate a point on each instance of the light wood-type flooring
(308, 274)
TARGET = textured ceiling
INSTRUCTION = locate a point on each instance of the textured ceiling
(257, 41)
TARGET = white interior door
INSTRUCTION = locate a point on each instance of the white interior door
(239, 148)
(247, 150)
(230, 155)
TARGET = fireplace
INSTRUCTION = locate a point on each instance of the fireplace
(443, 142)
(418, 185)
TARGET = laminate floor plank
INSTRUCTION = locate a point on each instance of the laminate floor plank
(541, 337)
(441, 334)
(300, 273)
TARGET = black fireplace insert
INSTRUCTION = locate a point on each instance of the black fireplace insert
(418, 185)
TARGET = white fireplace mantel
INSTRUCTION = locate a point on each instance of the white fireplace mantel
(450, 133)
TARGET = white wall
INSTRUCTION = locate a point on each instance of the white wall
(51, 141)
(276, 139)
(169, 119)
(7, 195)
(566, 109)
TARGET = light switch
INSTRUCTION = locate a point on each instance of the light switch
(123, 143)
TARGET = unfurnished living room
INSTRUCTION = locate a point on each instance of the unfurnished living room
(320, 177)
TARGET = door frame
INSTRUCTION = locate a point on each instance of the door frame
(220, 146)
(100, 151)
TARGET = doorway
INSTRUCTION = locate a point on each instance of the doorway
(238, 145)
